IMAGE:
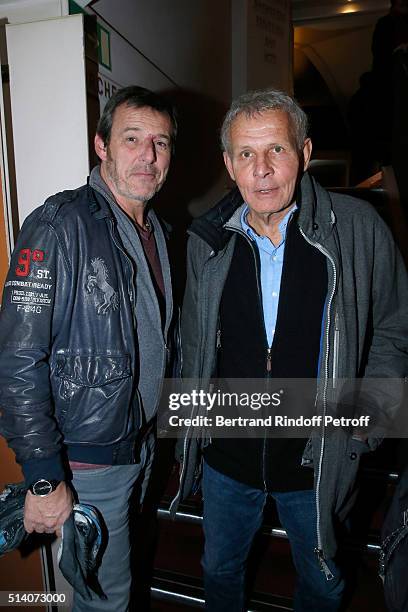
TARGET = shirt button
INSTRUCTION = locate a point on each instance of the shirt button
(274, 258)
(274, 294)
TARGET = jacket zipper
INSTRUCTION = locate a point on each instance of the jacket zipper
(319, 551)
(218, 341)
(178, 348)
(336, 349)
(269, 360)
(201, 352)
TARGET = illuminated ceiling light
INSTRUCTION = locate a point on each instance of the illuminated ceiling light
(349, 8)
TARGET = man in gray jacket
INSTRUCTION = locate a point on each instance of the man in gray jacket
(87, 307)
(285, 280)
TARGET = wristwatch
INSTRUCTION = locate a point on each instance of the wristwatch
(43, 487)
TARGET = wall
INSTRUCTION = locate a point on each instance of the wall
(340, 55)
(183, 49)
(188, 41)
(21, 11)
(46, 64)
(262, 43)
(3, 245)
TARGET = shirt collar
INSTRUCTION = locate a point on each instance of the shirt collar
(282, 225)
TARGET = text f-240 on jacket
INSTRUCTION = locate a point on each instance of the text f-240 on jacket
(68, 344)
(365, 325)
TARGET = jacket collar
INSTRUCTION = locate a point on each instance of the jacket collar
(316, 217)
(210, 227)
(101, 199)
(100, 195)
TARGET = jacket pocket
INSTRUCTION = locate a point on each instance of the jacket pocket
(95, 403)
(347, 479)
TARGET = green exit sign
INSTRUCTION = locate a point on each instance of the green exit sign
(104, 49)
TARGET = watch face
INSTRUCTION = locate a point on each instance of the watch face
(42, 487)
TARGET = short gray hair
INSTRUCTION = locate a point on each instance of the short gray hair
(260, 100)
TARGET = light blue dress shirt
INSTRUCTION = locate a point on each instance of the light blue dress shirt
(271, 258)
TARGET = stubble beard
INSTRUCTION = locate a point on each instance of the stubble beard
(122, 186)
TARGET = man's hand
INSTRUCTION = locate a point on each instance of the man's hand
(48, 514)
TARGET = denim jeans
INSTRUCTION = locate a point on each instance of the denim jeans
(233, 514)
(110, 489)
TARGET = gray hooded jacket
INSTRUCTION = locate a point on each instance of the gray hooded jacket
(365, 327)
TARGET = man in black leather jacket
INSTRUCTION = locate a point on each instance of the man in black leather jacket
(87, 307)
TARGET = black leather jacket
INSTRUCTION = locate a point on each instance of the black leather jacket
(67, 336)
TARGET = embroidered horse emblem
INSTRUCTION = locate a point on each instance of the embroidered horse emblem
(98, 281)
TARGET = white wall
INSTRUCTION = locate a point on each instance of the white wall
(48, 101)
(261, 45)
(21, 11)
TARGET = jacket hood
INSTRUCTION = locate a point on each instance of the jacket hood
(210, 227)
(316, 217)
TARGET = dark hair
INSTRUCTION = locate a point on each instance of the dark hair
(136, 97)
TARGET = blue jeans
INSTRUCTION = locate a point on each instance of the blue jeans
(233, 513)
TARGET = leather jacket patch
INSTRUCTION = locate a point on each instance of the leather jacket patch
(97, 282)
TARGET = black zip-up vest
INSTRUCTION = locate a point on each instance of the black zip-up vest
(274, 464)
